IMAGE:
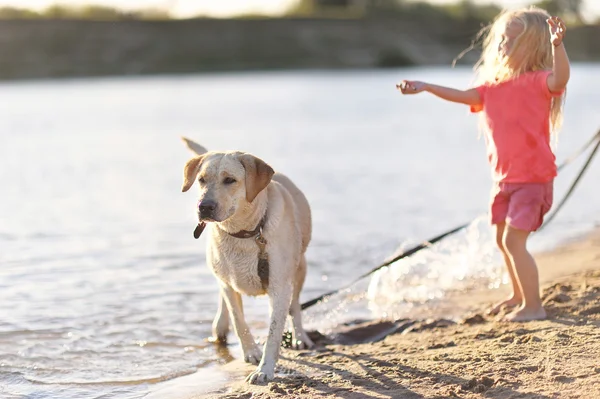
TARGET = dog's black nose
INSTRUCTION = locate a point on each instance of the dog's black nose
(206, 208)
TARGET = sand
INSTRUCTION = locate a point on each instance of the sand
(476, 357)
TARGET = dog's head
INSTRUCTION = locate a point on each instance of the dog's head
(227, 180)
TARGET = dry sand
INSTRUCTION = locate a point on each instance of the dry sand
(478, 357)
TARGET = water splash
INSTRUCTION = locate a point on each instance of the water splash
(418, 284)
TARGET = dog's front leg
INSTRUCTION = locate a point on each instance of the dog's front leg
(220, 326)
(252, 353)
(280, 296)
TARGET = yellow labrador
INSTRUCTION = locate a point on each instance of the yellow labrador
(259, 226)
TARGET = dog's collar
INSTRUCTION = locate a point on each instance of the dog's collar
(262, 268)
(251, 233)
(240, 234)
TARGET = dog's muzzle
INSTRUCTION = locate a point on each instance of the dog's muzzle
(206, 213)
(206, 210)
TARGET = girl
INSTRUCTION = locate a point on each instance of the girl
(522, 75)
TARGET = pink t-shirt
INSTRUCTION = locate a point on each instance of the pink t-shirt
(517, 115)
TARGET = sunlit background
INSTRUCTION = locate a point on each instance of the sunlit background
(232, 8)
(104, 293)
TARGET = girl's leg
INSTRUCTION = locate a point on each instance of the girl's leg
(515, 242)
(515, 298)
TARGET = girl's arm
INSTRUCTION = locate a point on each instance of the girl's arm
(561, 70)
(469, 97)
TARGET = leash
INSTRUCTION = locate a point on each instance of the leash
(595, 139)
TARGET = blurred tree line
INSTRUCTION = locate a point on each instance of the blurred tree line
(464, 10)
(60, 42)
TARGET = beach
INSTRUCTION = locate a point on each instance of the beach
(478, 356)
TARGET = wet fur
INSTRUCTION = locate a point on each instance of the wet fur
(240, 206)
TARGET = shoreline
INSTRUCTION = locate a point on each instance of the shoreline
(475, 357)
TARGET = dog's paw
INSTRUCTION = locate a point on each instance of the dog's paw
(253, 355)
(259, 376)
(217, 340)
(302, 342)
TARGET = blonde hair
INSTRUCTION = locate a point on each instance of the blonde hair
(533, 45)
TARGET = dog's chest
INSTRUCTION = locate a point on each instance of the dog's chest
(237, 265)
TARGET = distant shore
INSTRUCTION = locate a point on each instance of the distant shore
(478, 357)
(34, 49)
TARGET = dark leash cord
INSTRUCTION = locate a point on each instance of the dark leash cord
(595, 139)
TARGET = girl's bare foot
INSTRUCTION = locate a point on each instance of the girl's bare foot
(526, 314)
(507, 303)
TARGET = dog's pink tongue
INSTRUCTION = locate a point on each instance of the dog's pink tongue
(199, 229)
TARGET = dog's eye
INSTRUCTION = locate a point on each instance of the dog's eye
(201, 180)
(228, 180)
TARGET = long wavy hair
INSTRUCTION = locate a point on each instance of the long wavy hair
(533, 47)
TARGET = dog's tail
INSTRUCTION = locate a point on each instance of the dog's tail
(195, 147)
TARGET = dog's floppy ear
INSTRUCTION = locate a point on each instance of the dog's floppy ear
(190, 171)
(258, 175)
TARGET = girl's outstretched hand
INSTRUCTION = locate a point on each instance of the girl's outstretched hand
(558, 29)
(411, 86)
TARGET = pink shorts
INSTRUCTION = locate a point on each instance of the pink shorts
(521, 205)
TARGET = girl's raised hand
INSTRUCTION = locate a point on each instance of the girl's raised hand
(410, 86)
(558, 29)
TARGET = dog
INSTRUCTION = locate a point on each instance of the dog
(259, 227)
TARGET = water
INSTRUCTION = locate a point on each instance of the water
(105, 294)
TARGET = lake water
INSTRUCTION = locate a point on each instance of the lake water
(104, 293)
